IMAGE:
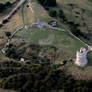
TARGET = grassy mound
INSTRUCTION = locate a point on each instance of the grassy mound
(66, 44)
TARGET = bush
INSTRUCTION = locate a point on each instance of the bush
(5, 21)
(53, 13)
(4, 6)
(61, 14)
(11, 52)
(8, 34)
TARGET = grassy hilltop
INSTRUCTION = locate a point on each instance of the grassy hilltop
(66, 44)
(35, 55)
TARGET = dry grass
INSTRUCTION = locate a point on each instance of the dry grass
(79, 73)
(14, 23)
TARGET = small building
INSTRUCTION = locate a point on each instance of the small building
(53, 23)
(22, 59)
(26, 27)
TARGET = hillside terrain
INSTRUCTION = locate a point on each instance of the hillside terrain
(79, 12)
(32, 47)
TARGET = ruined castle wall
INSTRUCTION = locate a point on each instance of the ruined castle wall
(81, 59)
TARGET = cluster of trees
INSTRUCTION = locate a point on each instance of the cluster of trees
(31, 53)
(9, 71)
(47, 3)
(4, 6)
(11, 51)
(11, 64)
(57, 13)
(45, 79)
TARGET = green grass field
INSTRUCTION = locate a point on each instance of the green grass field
(57, 38)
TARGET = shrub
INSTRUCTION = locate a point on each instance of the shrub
(8, 34)
(53, 13)
(4, 6)
(5, 21)
(60, 14)
(11, 52)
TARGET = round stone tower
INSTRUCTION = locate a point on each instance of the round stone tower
(81, 57)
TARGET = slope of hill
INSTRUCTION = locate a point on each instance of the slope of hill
(79, 11)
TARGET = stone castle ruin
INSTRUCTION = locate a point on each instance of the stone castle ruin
(81, 57)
